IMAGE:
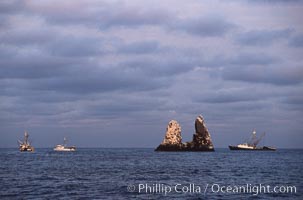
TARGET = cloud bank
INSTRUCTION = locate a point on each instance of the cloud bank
(115, 72)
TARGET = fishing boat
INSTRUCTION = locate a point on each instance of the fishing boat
(251, 145)
(64, 147)
(25, 144)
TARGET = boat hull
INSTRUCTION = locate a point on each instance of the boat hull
(264, 148)
(63, 148)
(26, 148)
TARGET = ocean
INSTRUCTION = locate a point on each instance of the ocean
(130, 173)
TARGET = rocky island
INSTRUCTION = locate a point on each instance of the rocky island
(173, 139)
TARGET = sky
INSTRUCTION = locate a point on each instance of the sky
(114, 73)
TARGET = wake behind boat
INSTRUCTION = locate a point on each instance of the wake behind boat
(25, 144)
(63, 147)
(252, 144)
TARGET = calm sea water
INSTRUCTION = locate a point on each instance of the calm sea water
(144, 174)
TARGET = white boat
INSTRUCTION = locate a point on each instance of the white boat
(63, 147)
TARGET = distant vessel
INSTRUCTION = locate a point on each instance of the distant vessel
(63, 147)
(25, 144)
(252, 144)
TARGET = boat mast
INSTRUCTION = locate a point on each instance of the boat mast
(64, 141)
(26, 138)
(253, 138)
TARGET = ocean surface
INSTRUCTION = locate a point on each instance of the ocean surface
(98, 173)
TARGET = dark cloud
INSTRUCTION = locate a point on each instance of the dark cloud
(294, 100)
(128, 17)
(228, 97)
(21, 37)
(7, 9)
(83, 80)
(56, 12)
(131, 105)
(142, 47)
(11, 6)
(272, 2)
(99, 14)
(245, 96)
(245, 59)
(242, 59)
(36, 66)
(129, 67)
(108, 16)
(76, 46)
(204, 27)
(296, 41)
(261, 37)
(261, 74)
(161, 67)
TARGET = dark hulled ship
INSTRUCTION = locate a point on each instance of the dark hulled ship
(251, 145)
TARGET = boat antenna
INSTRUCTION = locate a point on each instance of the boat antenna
(253, 138)
(64, 141)
(26, 137)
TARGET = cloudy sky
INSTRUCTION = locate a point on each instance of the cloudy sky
(114, 73)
